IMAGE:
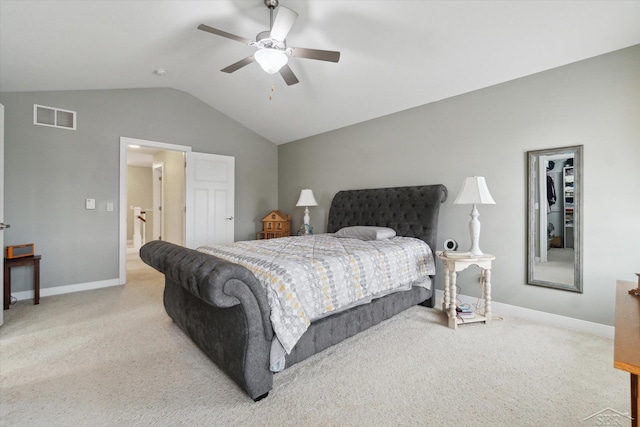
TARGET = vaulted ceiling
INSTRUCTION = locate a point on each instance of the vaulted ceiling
(395, 55)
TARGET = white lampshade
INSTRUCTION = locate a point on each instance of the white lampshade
(474, 192)
(306, 198)
(271, 60)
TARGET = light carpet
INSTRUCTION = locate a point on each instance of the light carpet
(112, 357)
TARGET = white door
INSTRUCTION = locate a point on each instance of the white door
(210, 183)
(2, 205)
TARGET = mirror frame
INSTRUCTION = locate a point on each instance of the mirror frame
(532, 162)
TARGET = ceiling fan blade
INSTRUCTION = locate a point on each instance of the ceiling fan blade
(322, 55)
(236, 66)
(288, 76)
(283, 23)
(224, 34)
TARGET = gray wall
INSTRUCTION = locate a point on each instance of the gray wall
(595, 103)
(50, 172)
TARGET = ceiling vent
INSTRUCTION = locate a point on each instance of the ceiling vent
(54, 117)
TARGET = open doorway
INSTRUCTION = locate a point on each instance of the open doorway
(151, 173)
(141, 198)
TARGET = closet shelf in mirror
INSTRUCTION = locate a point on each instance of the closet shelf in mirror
(568, 185)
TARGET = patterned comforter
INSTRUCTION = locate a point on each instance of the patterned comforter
(309, 277)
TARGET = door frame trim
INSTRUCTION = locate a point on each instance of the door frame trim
(124, 142)
(2, 160)
(158, 201)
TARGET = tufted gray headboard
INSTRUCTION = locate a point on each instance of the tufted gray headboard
(410, 211)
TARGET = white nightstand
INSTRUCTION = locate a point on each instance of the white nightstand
(454, 263)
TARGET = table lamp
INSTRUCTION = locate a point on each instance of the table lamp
(474, 191)
(306, 199)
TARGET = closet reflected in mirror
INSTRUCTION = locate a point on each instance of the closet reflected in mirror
(555, 218)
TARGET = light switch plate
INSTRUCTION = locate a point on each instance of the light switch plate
(90, 204)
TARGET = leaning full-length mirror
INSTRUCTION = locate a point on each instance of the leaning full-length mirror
(555, 218)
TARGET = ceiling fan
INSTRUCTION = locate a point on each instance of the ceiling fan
(273, 53)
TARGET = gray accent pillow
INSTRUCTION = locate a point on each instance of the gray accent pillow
(363, 232)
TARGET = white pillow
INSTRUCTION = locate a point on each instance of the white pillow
(363, 232)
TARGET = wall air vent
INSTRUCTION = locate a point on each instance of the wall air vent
(54, 117)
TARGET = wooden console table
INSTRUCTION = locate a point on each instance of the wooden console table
(626, 345)
(27, 261)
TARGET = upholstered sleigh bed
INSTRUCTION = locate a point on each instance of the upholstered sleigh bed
(225, 310)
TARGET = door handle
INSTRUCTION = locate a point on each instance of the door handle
(4, 226)
(229, 218)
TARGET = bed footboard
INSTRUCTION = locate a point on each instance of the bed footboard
(222, 307)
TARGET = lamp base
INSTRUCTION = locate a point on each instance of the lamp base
(306, 221)
(474, 232)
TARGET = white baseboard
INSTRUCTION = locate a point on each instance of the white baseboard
(498, 308)
(58, 290)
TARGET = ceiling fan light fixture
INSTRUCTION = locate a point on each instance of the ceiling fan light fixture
(271, 60)
(272, 52)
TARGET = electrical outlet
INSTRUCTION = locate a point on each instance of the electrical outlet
(109, 207)
(90, 204)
